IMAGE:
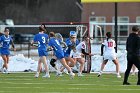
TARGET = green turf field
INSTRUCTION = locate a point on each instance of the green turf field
(90, 83)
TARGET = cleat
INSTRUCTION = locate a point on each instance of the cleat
(2, 70)
(36, 75)
(59, 74)
(99, 74)
(80, 75)
(126, 83)
(72, 75)
(6, 71)
(66, 72)
(46, 76)
(118, 76)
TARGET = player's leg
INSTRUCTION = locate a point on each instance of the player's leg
(60, 56)
(62, 68)
(5, 65)
(7, 57)
(82, 62)
(53, 64)
(70, 61)
(38, 68)
(63, 61)
(44, 60)
(133, 70)
(102, 68)
(117, 67)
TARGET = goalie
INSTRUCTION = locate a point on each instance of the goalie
(78, 53)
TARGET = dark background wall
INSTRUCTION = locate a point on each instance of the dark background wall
(36, 11)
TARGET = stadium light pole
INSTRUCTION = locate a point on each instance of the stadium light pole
(116, 24)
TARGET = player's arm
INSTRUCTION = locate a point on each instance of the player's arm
(85, 53)
(49, 48)
(32, 43)
(102, 48)
(115, 49)
(65, 45)
(12, 43)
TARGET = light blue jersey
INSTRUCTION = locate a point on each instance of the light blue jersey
(42, 40)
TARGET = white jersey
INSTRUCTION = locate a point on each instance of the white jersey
(109, 49)
(78, 52)
(80, 46)
(75, 54)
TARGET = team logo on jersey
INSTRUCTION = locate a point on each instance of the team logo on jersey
(83, 46)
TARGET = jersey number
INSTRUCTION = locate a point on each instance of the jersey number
(43, 40)
(57, 42)
(110, 44)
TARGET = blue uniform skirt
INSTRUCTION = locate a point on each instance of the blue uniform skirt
(5, 51)
(42, 53)
(59, 54)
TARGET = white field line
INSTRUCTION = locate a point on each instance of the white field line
(45, 79)
(105, 72)
(18, 79)
(28, 83)
(132, 89)
(17, 76)
(7, 91)
(12, 79)
(104, 89)
(21, 87)
(57, 92)
(97, 85)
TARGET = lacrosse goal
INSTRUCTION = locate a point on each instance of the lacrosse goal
(64, 28)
